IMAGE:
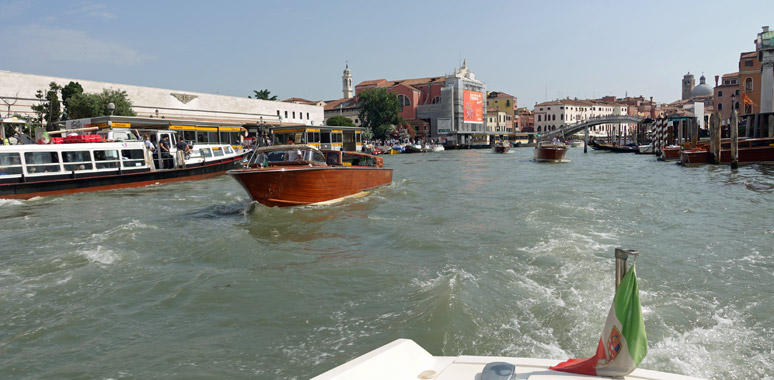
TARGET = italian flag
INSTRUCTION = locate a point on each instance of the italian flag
(623, 344)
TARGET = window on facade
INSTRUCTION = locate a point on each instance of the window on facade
(720, 93)
(404, 100)
(286, 114)
(553, 117)
(720, 106)
(307, 116)
(748, 63)
(539, 117)
(436, 100)
(294, 114)
(748, 84)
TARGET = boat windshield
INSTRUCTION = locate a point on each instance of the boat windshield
(288, 155)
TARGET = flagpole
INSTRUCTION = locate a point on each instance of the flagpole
(620, 263)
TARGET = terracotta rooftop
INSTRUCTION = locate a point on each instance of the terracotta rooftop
(749, 54)
(300, 101)
(498, 94)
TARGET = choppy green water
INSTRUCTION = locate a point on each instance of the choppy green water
(468, 252)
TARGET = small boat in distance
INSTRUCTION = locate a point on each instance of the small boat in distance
(550, 151)
(294, 175)
(501, 147)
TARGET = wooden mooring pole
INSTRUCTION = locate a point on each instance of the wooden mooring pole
(734, 140)
(714, 155)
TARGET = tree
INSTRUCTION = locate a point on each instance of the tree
(91, 105)
(341, 121)
(48, 110)
(72, 89)
(378, 108)
(263, 95)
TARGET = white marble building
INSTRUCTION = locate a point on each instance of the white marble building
(17, 91)
(552, 115)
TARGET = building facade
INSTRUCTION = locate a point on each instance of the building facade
(17, 90)
(726, 95)
(764, 46)
(501, 101)
(749, 83)
(552, 115)
(448, 108)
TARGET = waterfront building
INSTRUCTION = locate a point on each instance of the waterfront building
(346, 107)
(450, 108)
(726, 95)
(501, 101)
(17, 90)
(764, 46)
(749, 83)
(552, 115)
(498, 121)
(525, 120)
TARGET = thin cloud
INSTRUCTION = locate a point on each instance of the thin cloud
(69, 45)
(97, 10)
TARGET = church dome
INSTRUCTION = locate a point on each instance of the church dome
(703, 89)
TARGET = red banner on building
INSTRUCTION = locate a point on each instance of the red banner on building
(473, 106)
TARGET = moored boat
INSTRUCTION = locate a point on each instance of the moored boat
(750, 150)
(86, 163)
(670, 152)
(293, 175)
(550, 151)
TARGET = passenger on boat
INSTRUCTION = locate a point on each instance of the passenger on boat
(166, 156)
(148, 144)
(183, 146)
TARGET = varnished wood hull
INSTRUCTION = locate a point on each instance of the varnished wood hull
(550, 152)
(671, 153)
(746, 155)
(307, 185)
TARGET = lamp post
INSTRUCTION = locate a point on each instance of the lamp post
(111, 107)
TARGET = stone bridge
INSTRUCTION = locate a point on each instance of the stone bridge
(569, 129)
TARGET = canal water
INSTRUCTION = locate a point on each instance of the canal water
(467, 252)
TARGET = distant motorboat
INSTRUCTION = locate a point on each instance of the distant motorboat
(437, 148)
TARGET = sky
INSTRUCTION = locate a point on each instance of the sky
(534, 50)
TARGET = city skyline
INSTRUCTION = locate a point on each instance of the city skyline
(535, 52)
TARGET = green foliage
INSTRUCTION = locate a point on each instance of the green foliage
(91, 105)
(263, 95)
(384, 131)
(378, 108)
(49, 109)
(72, 89)
(341, 121)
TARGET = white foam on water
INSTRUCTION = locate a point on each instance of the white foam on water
(99, 255)
(10, 202)
(711, 351)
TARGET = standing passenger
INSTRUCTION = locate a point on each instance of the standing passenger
(166, 156)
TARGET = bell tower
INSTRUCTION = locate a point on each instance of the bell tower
(346, 82)
(688, 84)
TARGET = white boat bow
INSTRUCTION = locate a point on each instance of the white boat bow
(405, 359)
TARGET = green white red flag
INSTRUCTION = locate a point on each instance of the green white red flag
(623, 344)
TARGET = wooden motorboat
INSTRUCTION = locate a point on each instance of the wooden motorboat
(550, 151)
(293, 175)
(501, 147)
(750, 150)
(86, 163)
(670, 152)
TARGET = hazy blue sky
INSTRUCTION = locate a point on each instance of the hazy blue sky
(531, 49)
